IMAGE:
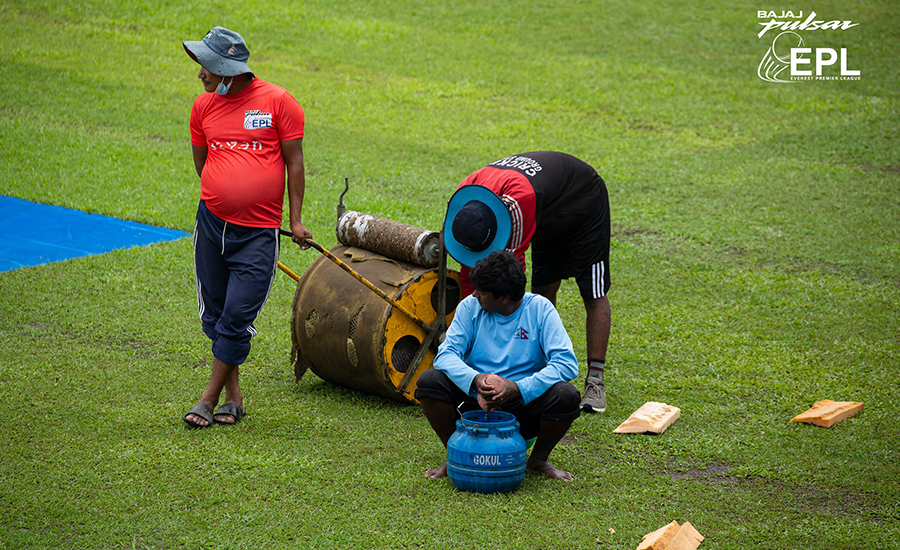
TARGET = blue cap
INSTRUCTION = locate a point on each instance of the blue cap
(477, 223)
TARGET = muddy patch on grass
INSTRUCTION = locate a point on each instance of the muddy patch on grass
(825, 500)
(891, 168)
(716, 472)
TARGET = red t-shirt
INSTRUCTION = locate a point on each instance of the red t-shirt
(243, 180)
(518, 195)
(548, 194)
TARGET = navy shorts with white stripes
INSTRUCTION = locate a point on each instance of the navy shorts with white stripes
(235, 267)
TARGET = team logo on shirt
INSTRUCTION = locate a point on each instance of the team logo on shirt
(257, 120)
(521, 334)
(528, 166)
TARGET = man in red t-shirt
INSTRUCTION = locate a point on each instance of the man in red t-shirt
(245, 133)
(558, 205)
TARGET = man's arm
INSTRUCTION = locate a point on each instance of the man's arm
(457, 342)
(296, 185)
(562, 366)
(200, 153)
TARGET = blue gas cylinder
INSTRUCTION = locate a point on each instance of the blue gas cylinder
(486, 453)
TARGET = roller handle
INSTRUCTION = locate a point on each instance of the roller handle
(363, 280)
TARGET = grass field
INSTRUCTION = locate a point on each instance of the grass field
(755, 261)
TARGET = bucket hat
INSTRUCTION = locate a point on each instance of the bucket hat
(221, 52)
(477, 223)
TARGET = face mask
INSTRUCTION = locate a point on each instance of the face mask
(223, 88)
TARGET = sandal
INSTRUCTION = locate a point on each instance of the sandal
(229, 409)
(201, 410)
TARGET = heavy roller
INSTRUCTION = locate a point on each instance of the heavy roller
(369, 313)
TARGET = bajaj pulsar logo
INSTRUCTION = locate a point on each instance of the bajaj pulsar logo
(255, 120)
(788, 60)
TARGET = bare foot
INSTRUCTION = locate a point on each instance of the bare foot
(544, 468)
(437, 473)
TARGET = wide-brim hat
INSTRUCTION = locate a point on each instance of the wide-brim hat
(460, 201)
(221, 52)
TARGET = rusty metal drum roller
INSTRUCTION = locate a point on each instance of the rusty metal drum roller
(349, 336)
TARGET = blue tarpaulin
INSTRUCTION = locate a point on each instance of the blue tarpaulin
(34, 234)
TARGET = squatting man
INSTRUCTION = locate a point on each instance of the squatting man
(505, 350)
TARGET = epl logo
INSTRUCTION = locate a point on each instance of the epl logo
(787, 60)
(787, 52)
(257, 120)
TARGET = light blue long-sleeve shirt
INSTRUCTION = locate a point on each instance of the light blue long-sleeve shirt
(529, 347)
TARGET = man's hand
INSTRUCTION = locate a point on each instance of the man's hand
(494, 391)
(300, 234)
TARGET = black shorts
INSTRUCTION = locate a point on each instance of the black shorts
(561, 403)
(582, 253)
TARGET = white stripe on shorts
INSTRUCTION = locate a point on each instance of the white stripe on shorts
(598, 270)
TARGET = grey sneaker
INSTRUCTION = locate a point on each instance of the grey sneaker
(594, 396)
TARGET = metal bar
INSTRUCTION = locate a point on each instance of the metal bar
(437, 328)
(371, 286)
(340, 207)
(363, 280)
(290, 273)
(442, 283)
